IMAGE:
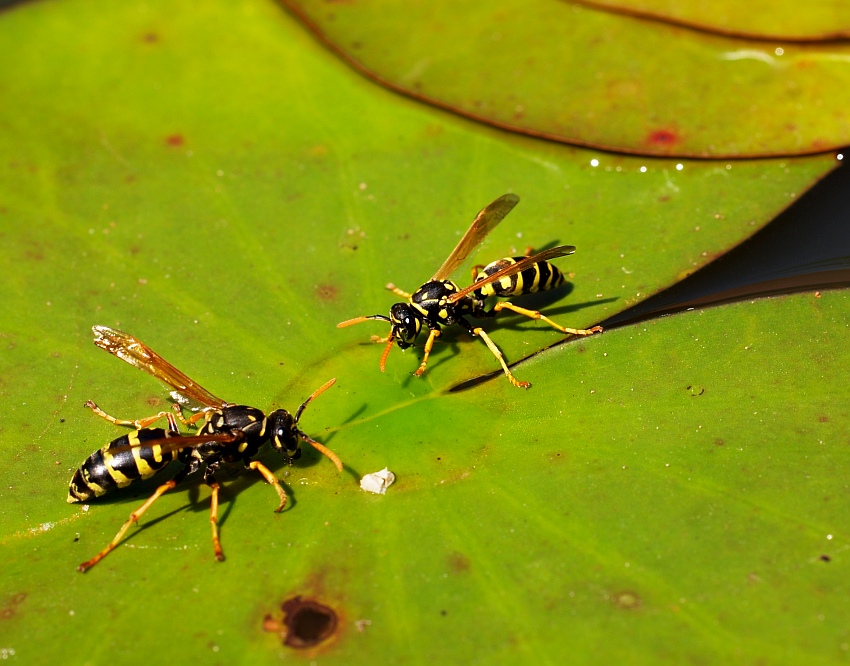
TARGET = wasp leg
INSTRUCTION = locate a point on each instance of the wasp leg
(209, 479)
(272, 479)
(498, 354)
(429, 344)
(138, 424)
(476, 270)
(192, 420)
(534, 314)
(379, 340)
(214, 487)
(397, 291)
(134, 517)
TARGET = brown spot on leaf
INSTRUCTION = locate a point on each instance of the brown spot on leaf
(150, 38)
(327, 292)
(306, 623)
(458, 563)
(175, 140)
(11, 606)
(823, 418)
(663, 137)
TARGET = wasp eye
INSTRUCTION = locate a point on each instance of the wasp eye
(405, 324)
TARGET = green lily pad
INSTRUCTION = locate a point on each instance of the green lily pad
(229, 205)
(819, 20)
(595, 78)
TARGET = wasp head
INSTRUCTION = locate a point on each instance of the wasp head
(284, 434)
(406, 324)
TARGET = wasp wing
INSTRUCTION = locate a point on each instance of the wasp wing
(521, 265)
(178, 442)
(482, 225)
(129, 349)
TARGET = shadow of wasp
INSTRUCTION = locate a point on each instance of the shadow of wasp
(225, 433)
(440, 302)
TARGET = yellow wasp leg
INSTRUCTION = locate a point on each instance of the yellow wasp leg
(134, 517)
(498, 354)
(193, 419)
(533, 314)
(429, 344)
(397, 291)
(138, 424)
(219, 553)
(272, 479)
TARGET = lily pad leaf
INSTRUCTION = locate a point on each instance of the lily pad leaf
(594, 78)
(819, 20)
(229, 205)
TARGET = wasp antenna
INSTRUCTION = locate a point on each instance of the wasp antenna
(386, 353)
(360, 320)
(324, 450)
(324, 387)
(351, 322)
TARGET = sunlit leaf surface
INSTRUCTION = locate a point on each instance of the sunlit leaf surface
(211, 180)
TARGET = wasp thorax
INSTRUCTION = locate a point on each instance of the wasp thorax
(434, 291)
(284, 434)
(406, 324)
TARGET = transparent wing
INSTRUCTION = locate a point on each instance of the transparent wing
(135, 352)
(521, 265)
(482, 225)
(178, 442)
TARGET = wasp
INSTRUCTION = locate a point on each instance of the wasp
(225, 433)
(440, 302)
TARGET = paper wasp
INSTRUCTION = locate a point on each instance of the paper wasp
(440, 302)
(227, 433)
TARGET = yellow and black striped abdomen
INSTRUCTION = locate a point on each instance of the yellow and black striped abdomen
(537, 277)
(120, 463)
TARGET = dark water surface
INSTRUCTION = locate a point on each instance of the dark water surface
(805, 248)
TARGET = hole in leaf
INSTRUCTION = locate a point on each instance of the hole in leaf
(306, 623)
